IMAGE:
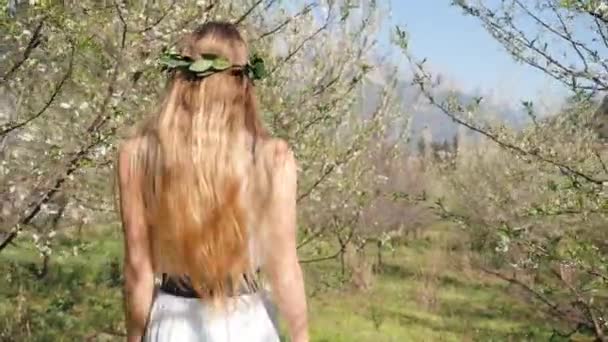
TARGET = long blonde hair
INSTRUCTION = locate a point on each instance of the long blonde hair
(195, 157)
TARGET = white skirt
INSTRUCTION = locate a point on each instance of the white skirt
(177, 319)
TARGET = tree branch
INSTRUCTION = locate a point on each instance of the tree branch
(598, 17)
(73, 163)
(7, 240)
(6, 129)
(419, 80)
(600, 31)
(601, 160)
(340, 251)
(345, 159)
(536, 294)
(159, 19)
(504, 31)
(596, 325)
(248, 12)
(269, 4)
(303, 42)
(103, 117)
(32, 44)
(310, 238)
(319, 259)
(566, 36)
(304, 11)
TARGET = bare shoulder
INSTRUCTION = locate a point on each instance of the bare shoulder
(278, 155)
(281, 170)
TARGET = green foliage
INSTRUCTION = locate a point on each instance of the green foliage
(174, 60)
(584, 5)
(256, 69)
(99, 67)
(78, 74)
(535, 224)
(208, 64)
(534, 201)
(78, 300)
(547, 35)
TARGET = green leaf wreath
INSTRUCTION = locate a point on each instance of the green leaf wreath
(208, 64)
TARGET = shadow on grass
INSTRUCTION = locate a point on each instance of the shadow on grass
(72, 276)
(395, 271)
(75, 299)
(467, 307)
(467, 323)
(403, 272)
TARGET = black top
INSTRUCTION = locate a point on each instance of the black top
(181, 286)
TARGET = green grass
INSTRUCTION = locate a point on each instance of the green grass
(466, 309)
(80, 298)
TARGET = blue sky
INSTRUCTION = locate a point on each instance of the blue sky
(457, 46)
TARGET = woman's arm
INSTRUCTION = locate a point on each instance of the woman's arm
(138, 274)
(281, 259)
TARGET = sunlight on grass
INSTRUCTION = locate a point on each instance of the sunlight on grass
(81, 294)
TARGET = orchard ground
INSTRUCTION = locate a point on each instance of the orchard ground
(425, 291)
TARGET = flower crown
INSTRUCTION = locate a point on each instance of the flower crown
(207, 64)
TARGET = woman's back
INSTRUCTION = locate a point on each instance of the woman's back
(204, 194)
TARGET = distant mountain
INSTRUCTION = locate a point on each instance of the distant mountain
(430, 119)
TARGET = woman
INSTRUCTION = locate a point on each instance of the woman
(207, 200)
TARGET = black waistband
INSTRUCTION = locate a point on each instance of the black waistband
(181, 287)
